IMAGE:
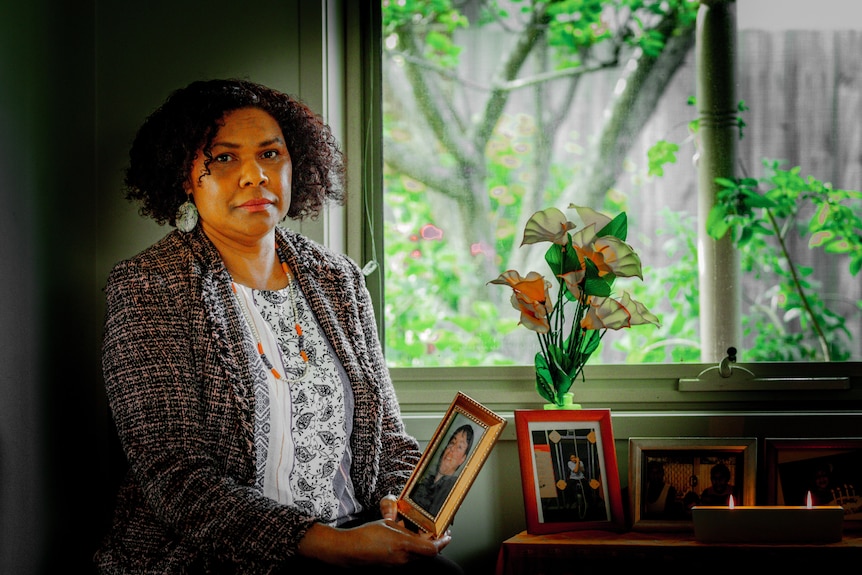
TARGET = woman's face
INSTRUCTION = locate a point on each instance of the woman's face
(247, 190)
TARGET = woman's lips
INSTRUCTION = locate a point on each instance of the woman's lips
(257, 205)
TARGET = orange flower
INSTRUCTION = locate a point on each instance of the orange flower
(606, 313)
(619, 257)
(548, 225)
(534, 314)
(587, 251)
(609, 253)
(639, 312)
(573, 281)
(531, 296)
(591, 217)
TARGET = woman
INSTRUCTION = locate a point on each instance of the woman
(241, 360)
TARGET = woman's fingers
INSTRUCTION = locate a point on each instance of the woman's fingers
(389, 507)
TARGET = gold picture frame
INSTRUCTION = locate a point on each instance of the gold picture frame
(686, 465)
(433, 512)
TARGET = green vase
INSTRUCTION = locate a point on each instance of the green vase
(568, 403)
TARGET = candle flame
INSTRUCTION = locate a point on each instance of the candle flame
(730, 501)
(809, 503)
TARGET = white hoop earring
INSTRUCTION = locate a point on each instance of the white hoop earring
(187, 216)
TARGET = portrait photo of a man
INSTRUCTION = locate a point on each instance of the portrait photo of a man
(434, 487)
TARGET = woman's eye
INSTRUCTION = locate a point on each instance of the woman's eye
(270, 154)
(221, 158)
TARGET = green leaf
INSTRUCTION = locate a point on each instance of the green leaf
(755, 200)
(597, 286)
(562, 260)
(841, 246)
(617, 227)
(716, 225)
(590, 344)
(544, 381)
(761, 228)
(555, 380)
(558, 358)
(661, 153)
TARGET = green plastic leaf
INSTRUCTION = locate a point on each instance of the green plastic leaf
(544, 381)
(561, 259)
(617, 227)
(590, 344)
(597, 286)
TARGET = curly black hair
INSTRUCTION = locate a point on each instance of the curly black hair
(161, 156)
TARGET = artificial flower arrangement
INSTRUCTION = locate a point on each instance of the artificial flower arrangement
(585, 263)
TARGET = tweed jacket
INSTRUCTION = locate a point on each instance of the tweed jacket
(179, 385)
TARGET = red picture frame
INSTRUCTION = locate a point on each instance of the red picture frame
(555, 498)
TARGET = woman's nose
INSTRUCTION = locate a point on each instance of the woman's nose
(252, 174)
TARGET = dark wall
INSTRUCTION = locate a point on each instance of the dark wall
(51, 451)
(76, 80)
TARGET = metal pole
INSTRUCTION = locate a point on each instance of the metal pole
(718, 134)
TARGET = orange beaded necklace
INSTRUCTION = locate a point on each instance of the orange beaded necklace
(297, 327)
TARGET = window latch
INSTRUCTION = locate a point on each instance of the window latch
(726, 376)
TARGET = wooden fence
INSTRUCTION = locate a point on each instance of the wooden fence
(804, 94)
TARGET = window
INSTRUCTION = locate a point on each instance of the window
(485, 145)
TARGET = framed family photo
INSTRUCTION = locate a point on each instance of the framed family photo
(670, 475)
(828, 470)
(449, 464)
(569, 470)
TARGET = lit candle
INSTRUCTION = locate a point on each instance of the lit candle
(730, 501)
(809, 502)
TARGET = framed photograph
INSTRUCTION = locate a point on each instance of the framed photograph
(827, 469)
(449, 464)
(670, 475)
(569, 470)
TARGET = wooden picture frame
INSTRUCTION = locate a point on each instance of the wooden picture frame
(829, 468)
(686, 466)
(554, 501)
(432, 509)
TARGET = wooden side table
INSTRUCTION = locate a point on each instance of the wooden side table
(571, 552)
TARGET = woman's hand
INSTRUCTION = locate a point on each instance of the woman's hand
(382, 542)
(389, 507)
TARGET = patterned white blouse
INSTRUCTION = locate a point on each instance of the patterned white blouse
(303, 424)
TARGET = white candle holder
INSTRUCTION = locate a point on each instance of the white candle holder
(768, 524)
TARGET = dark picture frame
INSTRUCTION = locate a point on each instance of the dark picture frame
(669, 475)
(464, 416)
(829, 468)
(554, 501)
